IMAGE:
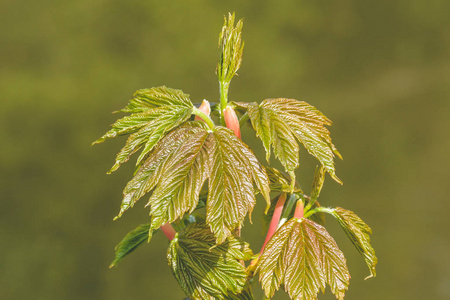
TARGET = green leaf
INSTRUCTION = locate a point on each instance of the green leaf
(312, 203)
(280, 123)
(205, 270)
(232, 170)
(246, 294)
(359, 233)
(130, 242)
(179, 165)
(155, 112)
(303, 257)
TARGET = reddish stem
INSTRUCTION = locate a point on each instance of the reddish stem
(299, 210)
(275, 219)
(168, 231)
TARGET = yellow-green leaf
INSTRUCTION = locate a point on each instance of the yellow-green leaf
(178, 167)
(155, 112)
(281, 122)
(359, 233)
(280, 181)
(152, 169)
(232, 170)
(205, 270)
(303, 257)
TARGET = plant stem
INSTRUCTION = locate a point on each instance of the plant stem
(223, 100)
(288, 208)
(292, 185)
(204, 117)
(243, 119)
(275, 219)
(318, 209)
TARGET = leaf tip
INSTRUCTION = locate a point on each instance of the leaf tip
(267, 209)
(100, 140)
(336, 178)
(114, 168)
(370, 276)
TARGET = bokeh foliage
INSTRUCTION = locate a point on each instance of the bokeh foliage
(380, 70)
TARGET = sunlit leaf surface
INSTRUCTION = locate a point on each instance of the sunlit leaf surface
(205, 270)
(154, 111)
(303, 257)
(180, 164)
(280, 123)
(359, 233)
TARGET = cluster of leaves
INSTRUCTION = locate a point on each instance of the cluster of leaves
(202, 179)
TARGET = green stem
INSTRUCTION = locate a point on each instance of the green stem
(310, 204)
(243, 119)
(223, 100)
(318, 209)
(292, 185)
(204, 117)
(288, 208)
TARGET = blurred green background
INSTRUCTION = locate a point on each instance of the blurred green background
(379, 69)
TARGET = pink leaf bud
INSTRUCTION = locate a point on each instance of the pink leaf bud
(204, 108)
(232, 121)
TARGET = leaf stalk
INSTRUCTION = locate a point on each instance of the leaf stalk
(205, 117)
(223, 100)
(309, 213)
(288, 209)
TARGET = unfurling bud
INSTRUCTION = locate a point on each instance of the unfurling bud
(204, 108)
(299, 210)
(232, 121)
(168, 231)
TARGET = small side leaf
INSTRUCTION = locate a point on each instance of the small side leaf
(359, 233)
(130, 242)
(280, 181)
(303, 257)
(319, 178)
(205, 270)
